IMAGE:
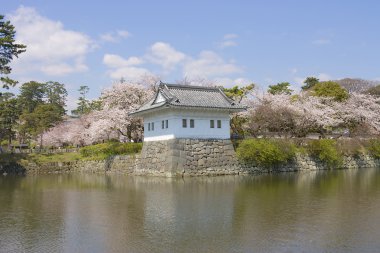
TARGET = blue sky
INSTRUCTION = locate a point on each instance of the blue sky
(233, 42)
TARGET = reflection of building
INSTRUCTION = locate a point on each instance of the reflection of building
(183, 111)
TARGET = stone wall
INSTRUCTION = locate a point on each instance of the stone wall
(187, 157)
(183, 157)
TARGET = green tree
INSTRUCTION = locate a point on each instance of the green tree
(9, 114)
(56, 94)
(83, 102)
(8, 50)
(31, 95)
(280, 88)
(40, 120)
(310, 82)
(237, 93)
(330, 89)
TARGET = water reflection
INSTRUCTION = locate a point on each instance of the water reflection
(311, 212)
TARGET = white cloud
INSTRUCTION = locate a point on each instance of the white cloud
(228, 40)
(321, 42)
(115, 36)
(165, 55)
(209, 64)
(115, 61)
(230, 36)
(51, 49)
(109, 37)
(229, 82)
(123, 33)
(294, 71)
(228, 43)
(120, 67)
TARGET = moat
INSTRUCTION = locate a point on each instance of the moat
(314, 211)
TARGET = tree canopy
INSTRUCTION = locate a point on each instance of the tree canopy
(330, 89)
(310, 82)
(237, 93)
(280, 88)
(8, 50)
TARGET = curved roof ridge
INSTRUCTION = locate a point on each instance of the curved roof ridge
(191, 87)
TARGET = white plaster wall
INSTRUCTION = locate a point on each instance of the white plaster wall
(201, 129)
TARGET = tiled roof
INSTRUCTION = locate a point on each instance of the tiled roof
(175, 95)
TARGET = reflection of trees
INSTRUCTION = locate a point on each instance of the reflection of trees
(29, 214)
(322, 206)
(320, 211)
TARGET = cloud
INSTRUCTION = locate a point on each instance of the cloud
(51, 49)
(115, 61)
(209, 64)
(229, 82)
(294, 71)
(228, 40)
(165, 55)
(230, 36)
(120, 67)
(321, 42)
(115, 36)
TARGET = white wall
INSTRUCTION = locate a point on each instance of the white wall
(201, 128)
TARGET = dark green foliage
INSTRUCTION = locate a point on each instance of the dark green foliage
(8, 50)
(105, 150)
(237, 94)
(56, 94)
(31, 95)
(266, 152)
(330, 89)
(86, 106)
(374, 148)
(9, 114)
(280, 88)
(310, 82)
(327, 151)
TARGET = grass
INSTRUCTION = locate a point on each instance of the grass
(93, 152)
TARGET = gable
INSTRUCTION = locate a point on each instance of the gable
(159, 99)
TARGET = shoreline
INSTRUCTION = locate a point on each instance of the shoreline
(131, 165)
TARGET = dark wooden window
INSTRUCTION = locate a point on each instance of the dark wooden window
(184, 123)
(152, 126)
(212, 123)
(219, 123)
(163, 124)
(167, 123)
(191, 123)
(148, 126)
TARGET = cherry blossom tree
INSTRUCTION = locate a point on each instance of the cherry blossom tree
(110, 122)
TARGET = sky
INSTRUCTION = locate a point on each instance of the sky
(96, 43)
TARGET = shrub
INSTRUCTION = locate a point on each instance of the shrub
(327, 151)
(105, 150)
(265, 152)
(352, 147)
(374, 148)
(330, 89)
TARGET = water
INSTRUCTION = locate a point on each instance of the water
(331, 211)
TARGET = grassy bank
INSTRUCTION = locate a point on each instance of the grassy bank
(274, 152)
(94, 152)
